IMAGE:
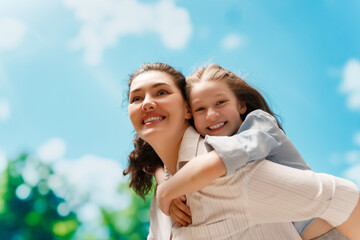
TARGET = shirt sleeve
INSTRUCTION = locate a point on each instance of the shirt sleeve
(160, 224)
(278, 193)
(150, 236)
(259, 136)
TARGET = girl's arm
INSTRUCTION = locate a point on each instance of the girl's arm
(180, 213)
(195, 175)
(159, 175)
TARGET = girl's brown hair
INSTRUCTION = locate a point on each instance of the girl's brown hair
(143, 160)
(243, 91)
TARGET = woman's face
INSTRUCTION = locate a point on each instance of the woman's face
(157, 108)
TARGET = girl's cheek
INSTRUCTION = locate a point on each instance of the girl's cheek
(197, 122)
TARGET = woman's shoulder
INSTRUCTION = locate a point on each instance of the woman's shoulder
(191, 131)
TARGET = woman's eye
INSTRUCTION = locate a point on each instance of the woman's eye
(220, 102)
(135, 99)
(162, 92)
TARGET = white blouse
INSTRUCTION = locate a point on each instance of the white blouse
(258, 201)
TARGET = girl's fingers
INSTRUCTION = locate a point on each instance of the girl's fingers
(177, 207)
(175, 214)
(181, 205)
(183, 198)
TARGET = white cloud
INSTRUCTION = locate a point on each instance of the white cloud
(52, 150)
(351, 83)
(353, 173)
(90, 181)
(12, 32)
(109, 83)
(232, 41)
(5, 109)
(106, 21)
(352, 157)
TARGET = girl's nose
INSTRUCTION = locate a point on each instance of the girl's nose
(212, 115)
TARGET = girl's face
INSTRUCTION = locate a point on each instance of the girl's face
(157, 108)
(215, 108)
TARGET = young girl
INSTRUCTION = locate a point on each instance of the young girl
(224, 105)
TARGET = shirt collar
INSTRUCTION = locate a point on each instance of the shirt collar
(189, 147)
(187, 151)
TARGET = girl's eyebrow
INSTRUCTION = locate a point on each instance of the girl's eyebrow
(220, 94)
(153, 86)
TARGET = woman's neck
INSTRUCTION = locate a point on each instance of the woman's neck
(168, 150)
(169, 156)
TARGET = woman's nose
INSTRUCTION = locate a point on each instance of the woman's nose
(148, 104)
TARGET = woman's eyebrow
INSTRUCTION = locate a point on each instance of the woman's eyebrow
(159, 84)
(153, 86)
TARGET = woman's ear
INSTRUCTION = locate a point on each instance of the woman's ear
(242, 107)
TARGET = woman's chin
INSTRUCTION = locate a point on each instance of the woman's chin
(152, 135)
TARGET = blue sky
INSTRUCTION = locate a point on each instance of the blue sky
(64, 65)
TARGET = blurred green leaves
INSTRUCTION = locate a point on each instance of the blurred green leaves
(28, 211)
(31, 210)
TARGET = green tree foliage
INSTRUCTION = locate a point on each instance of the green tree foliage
(133, 222)
(31, 212)
(30, 209)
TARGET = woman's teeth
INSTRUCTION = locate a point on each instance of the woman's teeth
(153, 119)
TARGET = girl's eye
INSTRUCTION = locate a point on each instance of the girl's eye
(199, 109)
(220, 102)
(135, 99)
(162, 92)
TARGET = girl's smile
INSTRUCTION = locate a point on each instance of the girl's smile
(217, 126)
(216, 109)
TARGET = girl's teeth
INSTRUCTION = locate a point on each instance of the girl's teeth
(152, 119)
(217, 126)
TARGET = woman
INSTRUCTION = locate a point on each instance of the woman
(243, 205)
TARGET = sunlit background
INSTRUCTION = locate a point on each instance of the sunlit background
(64, 65)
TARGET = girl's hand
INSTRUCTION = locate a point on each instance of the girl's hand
(175, 208)
(179, 212)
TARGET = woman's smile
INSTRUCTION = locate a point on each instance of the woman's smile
(152, 119)
(157, 108)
